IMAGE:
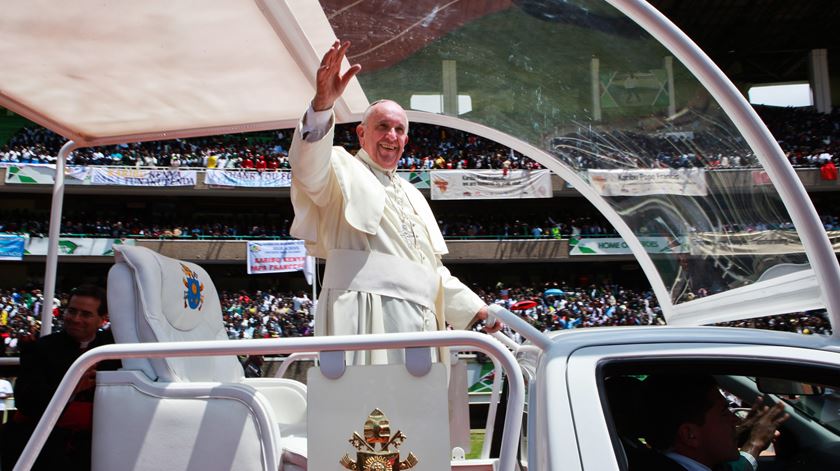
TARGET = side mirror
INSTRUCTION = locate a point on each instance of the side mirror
(785, 387)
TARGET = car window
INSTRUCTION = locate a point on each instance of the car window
(808, 439)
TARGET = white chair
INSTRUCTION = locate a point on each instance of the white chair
(186, 413)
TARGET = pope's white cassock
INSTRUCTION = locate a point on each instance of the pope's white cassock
(380, 240)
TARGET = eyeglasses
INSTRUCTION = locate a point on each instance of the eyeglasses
(73, 312)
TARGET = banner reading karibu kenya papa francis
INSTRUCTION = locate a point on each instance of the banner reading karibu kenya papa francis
(490, 184)
(275, 256)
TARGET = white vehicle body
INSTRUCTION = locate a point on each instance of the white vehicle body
(173, 93)
(568, 404)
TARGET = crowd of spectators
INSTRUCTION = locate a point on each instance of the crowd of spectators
(809, 139)
(453, 225)
(266, 314)
(431, 147)
(557, 306)
(260, 314)
(266, 150)
(549, 307)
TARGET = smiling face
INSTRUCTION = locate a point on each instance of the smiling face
(82, 319)
(383, 133)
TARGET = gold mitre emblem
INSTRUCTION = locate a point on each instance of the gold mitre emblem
(378, 430)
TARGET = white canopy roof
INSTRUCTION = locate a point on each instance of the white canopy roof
(214, 66)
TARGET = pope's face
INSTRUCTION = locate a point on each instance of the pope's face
(384, 134)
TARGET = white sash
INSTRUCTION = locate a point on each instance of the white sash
(382, 274)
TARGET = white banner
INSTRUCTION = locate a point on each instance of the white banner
(771, 242)
(75, 246)
(142, 177)
(687, 182)
(617, 246)
(275, 256)
(248, 178)
(490, 184)
(45, 175)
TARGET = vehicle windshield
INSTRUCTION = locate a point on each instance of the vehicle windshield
(602, 104)
(823, 407)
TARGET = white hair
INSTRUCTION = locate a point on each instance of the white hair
(369, 110)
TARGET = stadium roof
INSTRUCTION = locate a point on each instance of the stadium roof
(222, 66)
(756, 41)
(112, 71)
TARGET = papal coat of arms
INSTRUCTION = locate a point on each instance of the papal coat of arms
(193, 296)
(378, 431)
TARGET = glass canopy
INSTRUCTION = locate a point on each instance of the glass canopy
(598, 100)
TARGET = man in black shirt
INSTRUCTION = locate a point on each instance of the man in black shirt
(42, 367)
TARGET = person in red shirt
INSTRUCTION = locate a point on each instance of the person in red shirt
(828, 171)
(261, 165)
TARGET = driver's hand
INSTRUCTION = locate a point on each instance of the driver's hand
(764, 429)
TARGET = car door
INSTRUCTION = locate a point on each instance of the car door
(598, 443)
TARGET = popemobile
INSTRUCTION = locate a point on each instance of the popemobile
(558, 82)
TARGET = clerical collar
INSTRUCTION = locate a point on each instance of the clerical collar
(372, 164)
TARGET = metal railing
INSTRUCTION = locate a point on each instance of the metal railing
(481, 342)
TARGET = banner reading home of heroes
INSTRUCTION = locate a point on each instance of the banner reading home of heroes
(275, 256)
(687, 182)
(617, 246)
(490, 184)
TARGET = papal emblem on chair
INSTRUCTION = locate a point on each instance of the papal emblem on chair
(378, 430)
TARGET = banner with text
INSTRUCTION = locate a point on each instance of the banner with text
(490, 184)
(617, 246)
(12, 246)
(275, 256)
(45, 175)
(142, 177)
(76, 246)
(751, 243)
(687, 182)
(248, 178)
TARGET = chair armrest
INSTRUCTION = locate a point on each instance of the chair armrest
(287, 398)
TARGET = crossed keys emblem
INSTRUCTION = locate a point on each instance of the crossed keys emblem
(377, 430)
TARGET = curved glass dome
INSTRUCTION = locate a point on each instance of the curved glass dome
(580, 87)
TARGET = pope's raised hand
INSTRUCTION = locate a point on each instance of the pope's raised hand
(329, 82)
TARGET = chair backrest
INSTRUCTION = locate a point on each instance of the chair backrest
(153, 298)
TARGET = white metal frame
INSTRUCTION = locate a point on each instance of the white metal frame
(55, 229)
(802, 212)
(515, 405)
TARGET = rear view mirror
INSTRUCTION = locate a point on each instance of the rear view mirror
(785, 387)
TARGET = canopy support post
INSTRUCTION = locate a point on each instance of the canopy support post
(55, 229)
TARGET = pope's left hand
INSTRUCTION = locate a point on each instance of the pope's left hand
(482, 315)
